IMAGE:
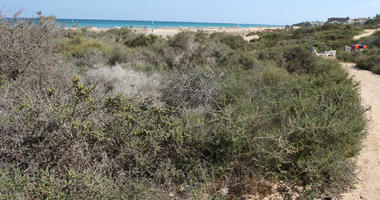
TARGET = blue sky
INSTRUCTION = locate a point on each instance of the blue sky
(279, 12)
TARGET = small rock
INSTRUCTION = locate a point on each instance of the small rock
(298, 189)
(296, 196)
(223, 191)
(171, 194)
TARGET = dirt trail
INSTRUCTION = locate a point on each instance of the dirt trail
(368, 161)
(367, 32)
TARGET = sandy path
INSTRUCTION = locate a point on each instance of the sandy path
(367, 32)
(369, 159)
(249, 38)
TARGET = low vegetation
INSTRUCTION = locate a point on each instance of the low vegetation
(118, 115)
(367, 59)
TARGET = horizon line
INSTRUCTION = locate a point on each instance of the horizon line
(157, 21)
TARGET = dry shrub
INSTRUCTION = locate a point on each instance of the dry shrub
(81, 131)
(117, 80)
(183, 41)
(25, 44)
(186, 49)
(192, 88)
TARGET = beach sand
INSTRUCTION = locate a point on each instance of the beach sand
(169, 32)
(165, 32)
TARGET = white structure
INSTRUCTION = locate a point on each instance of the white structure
(331, 53)
(347, 48)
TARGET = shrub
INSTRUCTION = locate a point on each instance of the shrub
(245, 60)
(48, 184)
(119, 35)
(367, 62)
(26, 45)
(298, 59)
(376, 69)
(225, 121)
(286, 136)
(183, 41)
(363, 62)
(273, 76)
(346, 56)
(117, 80)
(373, 41)
(201, 37)
(191, 88)
(117, 55)
(84, 51)
(235, 42)
(142, 40)
(81, 132)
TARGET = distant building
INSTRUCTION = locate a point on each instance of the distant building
(333, 20)
(357, 21)
(316, 23)
(337, 20)
(347, 20)
(360, 20)
(309, 24)
(303, 24)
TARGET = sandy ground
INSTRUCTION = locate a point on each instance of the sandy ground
(168, 32)
(367, 32)
(165, 32)
(368, 161)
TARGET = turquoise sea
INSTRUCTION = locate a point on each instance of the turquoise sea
(149, 24)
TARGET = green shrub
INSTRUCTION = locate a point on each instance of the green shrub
(183, 41)
(287, 136)
(201, 37)
(235, 42)
(376, 69)
(48, 184)
(85, 51)
(298, 59)
(142, 40)
(246, 60)
(119, 35)
(117, 55)
(346, 56)
(225, 120)
(273, 76)
(367, 62)
(363, 62)
(373, 41)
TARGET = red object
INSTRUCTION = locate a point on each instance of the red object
(365, 46)
(356, 46)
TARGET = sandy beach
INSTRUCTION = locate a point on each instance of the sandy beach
(168, 32)
(172, 31)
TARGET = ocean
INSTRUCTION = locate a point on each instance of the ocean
(149, 24)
